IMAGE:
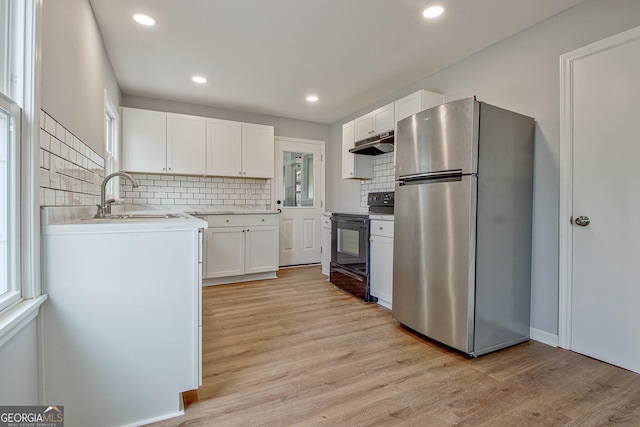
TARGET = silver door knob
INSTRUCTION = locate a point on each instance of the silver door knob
(583, 221)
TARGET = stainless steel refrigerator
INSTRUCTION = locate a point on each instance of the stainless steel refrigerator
(462, 245)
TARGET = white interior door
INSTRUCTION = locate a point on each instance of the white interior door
(605, 288)
(299, 194)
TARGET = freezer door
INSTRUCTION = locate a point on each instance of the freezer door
(434, 259)
(442, 138)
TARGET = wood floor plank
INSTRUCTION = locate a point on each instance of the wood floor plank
(296, 351)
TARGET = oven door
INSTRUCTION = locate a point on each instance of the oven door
(350, 243)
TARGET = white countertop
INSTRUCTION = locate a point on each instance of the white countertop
(65, 214)
(80, 218)
(182, 221)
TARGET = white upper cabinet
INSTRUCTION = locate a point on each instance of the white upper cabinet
(258, 150)
(416, 102)
(224, 148)
(186, 144)
(374, 123)
(144, 140)
(159, 142)
(237, 149)
(354, 166)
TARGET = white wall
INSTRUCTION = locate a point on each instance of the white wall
(521, 73)
(282, 126)
(18, 368)
(76, 70)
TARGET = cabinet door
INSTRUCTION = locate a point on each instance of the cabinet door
(223, 252)
(261, 249)
(258, 151)
(363, 127)
(381, 275)
(354, 165)
(416, 102)
(383, 119)
(144, 140)
(408, 106)
(326, 250)
(224, 148)
(186, 144)
(348, 139)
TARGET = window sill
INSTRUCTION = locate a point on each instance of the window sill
(18, 317)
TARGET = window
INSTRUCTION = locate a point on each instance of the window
(111, 146)
(298, 182)
(9, 184)
(16, 81)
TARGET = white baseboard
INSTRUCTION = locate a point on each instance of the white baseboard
(237, 279)
(543, 337)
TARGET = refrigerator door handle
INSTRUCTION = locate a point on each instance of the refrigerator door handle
(448, 175)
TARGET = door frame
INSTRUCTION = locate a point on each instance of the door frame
(565, 276)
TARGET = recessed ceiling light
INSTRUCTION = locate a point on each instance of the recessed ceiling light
(433, 12)
(312, 98)
(198, 79)
(143, 19)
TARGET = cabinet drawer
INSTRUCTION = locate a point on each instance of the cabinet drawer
(326, 222)
(241, 220)
(381, 228)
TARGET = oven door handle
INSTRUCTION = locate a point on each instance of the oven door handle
(349, 273)
(353, 221)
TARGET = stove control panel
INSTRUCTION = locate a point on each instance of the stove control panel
(385, 198)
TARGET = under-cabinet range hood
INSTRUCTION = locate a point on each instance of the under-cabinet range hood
(375, 145)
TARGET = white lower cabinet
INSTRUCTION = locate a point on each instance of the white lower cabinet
(120, 348)
(325, 244)
(261, 249)
(240, 248)
(381, 253)
(224, 250)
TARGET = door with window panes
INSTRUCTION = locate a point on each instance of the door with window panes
(299, 194)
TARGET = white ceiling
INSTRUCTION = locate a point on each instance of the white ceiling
(266, 56)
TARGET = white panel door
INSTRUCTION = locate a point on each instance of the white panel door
(224, 148)
(605, 322)
(186, 144)
(299, 193)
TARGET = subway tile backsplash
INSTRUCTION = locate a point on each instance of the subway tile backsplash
(70, 171)
(384, 173)
(190, 190)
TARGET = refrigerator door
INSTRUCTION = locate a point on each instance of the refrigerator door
(434, 259)
(443, 138)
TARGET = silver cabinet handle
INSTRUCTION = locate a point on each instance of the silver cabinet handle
(583, 221)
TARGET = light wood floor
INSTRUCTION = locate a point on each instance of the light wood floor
(298, 352)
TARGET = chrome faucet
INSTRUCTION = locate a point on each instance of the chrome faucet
(104, 208)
